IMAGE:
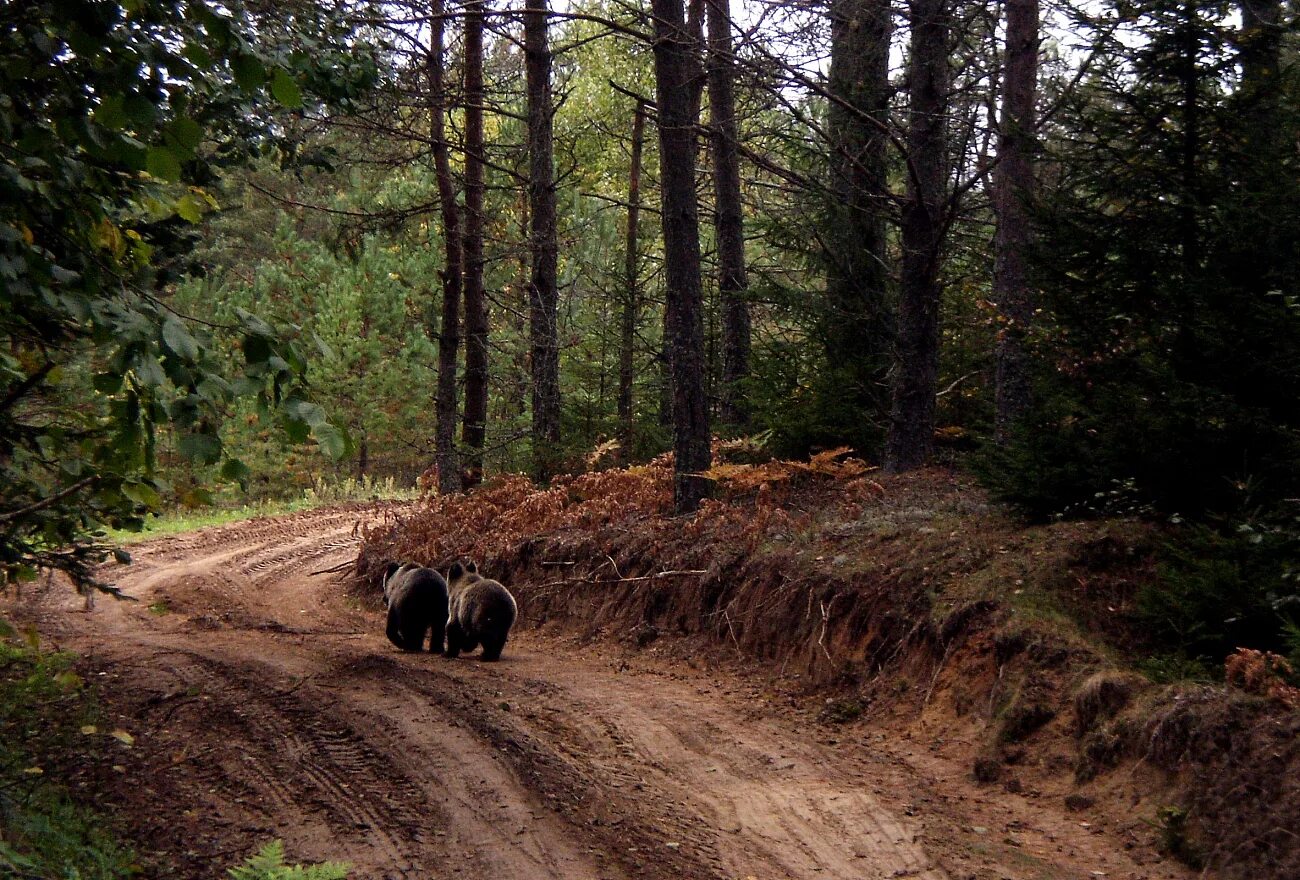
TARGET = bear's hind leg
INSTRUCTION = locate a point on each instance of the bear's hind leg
(455, 636)
(394, 630)
(492, 646)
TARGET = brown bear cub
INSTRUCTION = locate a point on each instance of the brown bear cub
(482, 612)
(417, 604)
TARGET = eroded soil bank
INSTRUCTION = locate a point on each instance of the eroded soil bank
(904, 609)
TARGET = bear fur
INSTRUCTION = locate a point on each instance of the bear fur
(417, 604)
(481, 613)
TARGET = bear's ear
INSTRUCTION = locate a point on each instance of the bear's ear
(471, 568)
(456, 571)
(392, 567)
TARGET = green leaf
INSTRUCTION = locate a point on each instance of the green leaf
(186, 133)
(285, 89)
(333, 442)
(324, 347)
(189, 208)
(235, 470)
(249, 72)
(197, 497)
(111, 114)
(201, 448)
(297, 430)
(257, 349)
(163, 164)
(140, 110)
(179, 340)
(198, 56)
(142, 493)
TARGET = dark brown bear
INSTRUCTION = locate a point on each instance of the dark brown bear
(481, 613)
(417, 604)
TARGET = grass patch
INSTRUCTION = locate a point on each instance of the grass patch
(179, 521)
(45, 716)
(323, 493)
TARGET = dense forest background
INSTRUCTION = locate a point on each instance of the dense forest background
(243, 245)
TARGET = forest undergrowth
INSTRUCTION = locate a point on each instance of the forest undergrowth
(912, 602)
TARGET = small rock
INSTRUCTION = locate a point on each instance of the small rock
(1077, 802)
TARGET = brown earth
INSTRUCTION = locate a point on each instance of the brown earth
(265, 702)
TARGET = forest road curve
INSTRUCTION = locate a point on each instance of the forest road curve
(264, 702)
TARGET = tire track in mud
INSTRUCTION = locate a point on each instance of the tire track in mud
(295, 754)
(712, 788)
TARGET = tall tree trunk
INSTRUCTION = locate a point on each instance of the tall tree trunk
(673, 50)
(631, 277)
(1263, 139)
(543, 292)
(694, 77)
(1191, 147)
(729, 223)
(859, 322)
(474, 428)
(449, 332)
(697, 75)
(1013, 194)
(911, 423)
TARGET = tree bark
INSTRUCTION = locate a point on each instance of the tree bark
(911, 423)
(673, 49)
(694, 78)
(1013, 194)
(631, 279)
(474, 427)
(543, 289)
(1190, 74)
(729, 222)
(449, 332)
(859, 321)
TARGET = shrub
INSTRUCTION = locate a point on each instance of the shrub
(1217, 592)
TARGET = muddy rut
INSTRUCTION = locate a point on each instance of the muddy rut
(265, 703)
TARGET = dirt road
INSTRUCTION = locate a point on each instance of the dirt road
(264, 703)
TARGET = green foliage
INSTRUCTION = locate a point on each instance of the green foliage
(1218, 592)
(43, 707)
(365, 308)
(49, 836)
(268, 864)
(1169, 353)
(807, 405)
(116, 117)
(1174, 668)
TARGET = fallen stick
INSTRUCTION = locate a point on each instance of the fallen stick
(333, 568)
(624, 580)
